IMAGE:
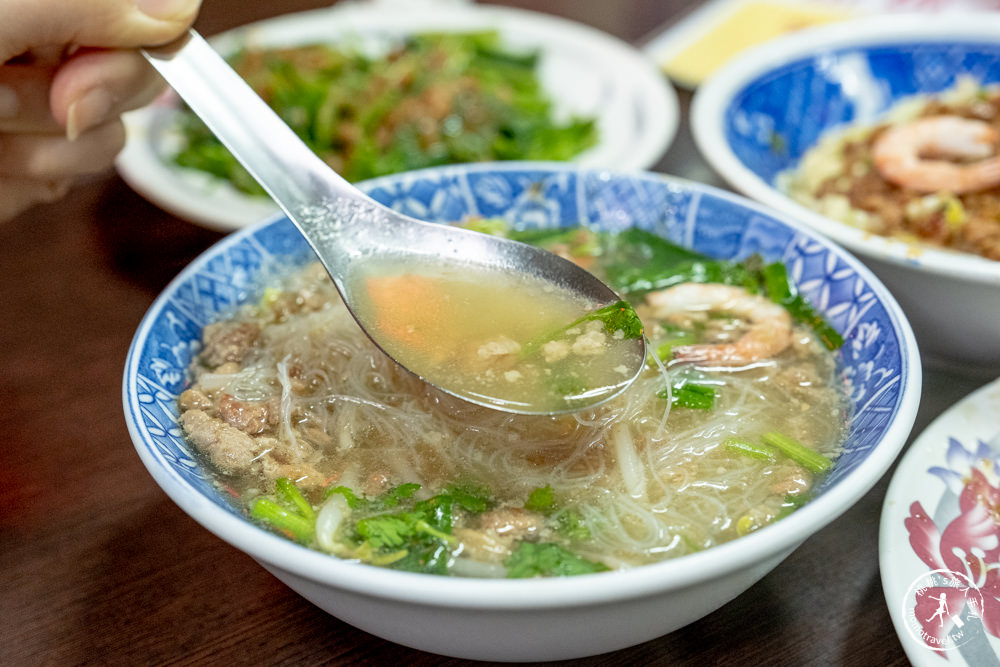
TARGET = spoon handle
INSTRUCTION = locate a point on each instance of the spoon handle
(291, 173)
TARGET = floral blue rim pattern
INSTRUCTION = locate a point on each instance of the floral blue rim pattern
(707, 220)
(850, 84)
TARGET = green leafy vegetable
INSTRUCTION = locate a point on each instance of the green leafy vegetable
(565, 383)
(491, 226)
(471, 498)
(389, 531)
(353, 501)
(754, 451)
(296, 526)
(775, 443)
(634, 251)
(546, 559)
(391, 498)
(807, 458)
(567, 522)
(659, 264)
(290, 495)
(397, 531)
(439, 98)
(618, 316)
(289, 512)
(541, 500)
(639, 261)
(690, 395)
(780, 290)
(570, 524)
(544, 237)
(792, 503)
(665, 350)
(419, 540)
(638, 280)
(576, 241)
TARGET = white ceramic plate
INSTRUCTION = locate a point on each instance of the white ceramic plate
(943, 503)
(587, 72)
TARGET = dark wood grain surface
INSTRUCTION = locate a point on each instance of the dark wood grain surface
(97, 565)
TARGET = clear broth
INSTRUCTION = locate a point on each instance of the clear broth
(495, 338)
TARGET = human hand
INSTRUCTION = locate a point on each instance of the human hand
(70, 69)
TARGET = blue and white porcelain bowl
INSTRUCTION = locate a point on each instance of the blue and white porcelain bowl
(804, 85)
(555, 618)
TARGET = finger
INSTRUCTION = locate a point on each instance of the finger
(31, 24)
(93, 87)
(19, 194)
(24, 99)
(53, 157)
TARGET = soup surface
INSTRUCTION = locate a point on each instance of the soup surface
(928, 173)
(738, 414)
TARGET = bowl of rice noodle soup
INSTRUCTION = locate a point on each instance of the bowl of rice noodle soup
(883, 134)
(781, 381)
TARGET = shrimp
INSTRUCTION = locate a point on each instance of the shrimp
(915, 155)
(769, 329)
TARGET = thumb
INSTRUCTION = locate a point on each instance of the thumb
(33, 24)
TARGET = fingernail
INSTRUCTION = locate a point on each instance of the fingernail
(10, 104)
(166, 9)
(89, 111)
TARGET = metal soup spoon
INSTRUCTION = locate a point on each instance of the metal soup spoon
(348, 230)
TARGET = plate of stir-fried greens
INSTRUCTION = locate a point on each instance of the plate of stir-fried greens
(375, 90)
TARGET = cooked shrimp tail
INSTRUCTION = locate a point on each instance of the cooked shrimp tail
(768, 330)
(939, 153)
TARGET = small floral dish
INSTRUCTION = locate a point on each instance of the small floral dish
(757, 118)
(555, 617)
(585, 73)
(939, 542)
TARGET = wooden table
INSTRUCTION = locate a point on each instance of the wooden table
(98, 566)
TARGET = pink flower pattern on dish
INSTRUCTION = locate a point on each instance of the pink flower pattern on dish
(969, 544)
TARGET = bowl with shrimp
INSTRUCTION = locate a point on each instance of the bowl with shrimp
(882, 134)
(782, 381)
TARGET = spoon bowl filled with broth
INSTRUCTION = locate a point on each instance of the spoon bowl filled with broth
(779, 383)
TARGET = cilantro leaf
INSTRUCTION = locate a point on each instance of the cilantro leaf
(571, 525)
(395, 495)
(470, 498)
(387, 531)
(567, 522)
(353, 501)
(618, 316)
(541, 500)
(396, 530)
(546, 559)
(391, 498)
